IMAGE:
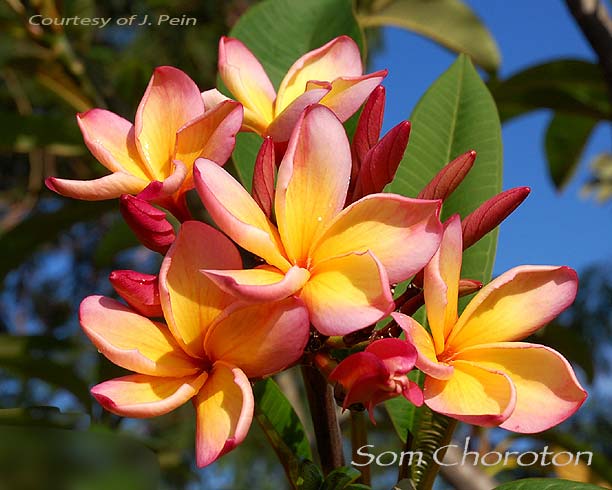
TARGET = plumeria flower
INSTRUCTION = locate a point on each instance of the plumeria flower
(378, 374)
(339, 262)
(477, 370)
(173, 127)
(331, 75)
(206, 352)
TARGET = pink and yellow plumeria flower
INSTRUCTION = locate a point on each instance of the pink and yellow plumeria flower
(173, 127)
(331, 75)
(377, 374)
(477, 370)
(207, 351)
(339, 262)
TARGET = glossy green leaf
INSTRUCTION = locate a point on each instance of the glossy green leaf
(566, 86)
(282, 427)
(546, 484)
(341, 478)
(455, 115)
(270, 31)
(403, 414)
(449, 22)
(566, 137)
(311, 477)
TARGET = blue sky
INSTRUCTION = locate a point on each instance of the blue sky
(549, 228)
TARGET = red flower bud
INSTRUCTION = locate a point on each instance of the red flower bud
(381, 162)
(468, 286)
(263, 177)
(490, 214)
(148, 223)
(140, 291)
(368, 128)
(449, 178)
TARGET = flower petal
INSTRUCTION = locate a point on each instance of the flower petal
(427, 360)
(361, 375)
(261, 339)
(211, 135)
(237, 214)
(189, 299)
(403, 233)
(246, 79)
(140, 396)
(133, 341)
(140, 291)
(348, 93)
(260, 284)
(338, 58)
(441, 283)
(397, 355)
(473, 394)
(110, 138)
(171, 100)
(107, 187)
(514, 305)
(312, 180)
(213, 98)
(224, 408)
(347, 293)
(284, 123)
(542, 378)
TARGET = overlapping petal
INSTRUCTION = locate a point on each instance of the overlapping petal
(514, 305)
(107, 187)
(442, 284)
(403, 233)
(349, 93)
(224, 408)
(312, 180)
(340, 57)
(427, 360)
(542, 378)
(262, 339)
(361, 374)
(133, 341)
(237, 214)
(190, 300)
(473, 394)
(171, 100)
(260, 284)
(246, 79)
(110, 138)
(347, 293)
(139, 395)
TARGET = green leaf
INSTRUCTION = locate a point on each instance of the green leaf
(403, 414)
(448, 22)
(457, 114)
(310, 477)
(566, 137)
(566, 86)
(23, 240)
(282, 427)
(546, 484)
(341, 478)
(271, 32)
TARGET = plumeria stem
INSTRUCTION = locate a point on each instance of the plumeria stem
(405, 468)
(325, 422)
(359, 438)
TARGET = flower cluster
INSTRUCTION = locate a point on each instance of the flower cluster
(330, 245)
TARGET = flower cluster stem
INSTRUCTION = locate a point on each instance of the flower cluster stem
(359, 438)
(324, 420)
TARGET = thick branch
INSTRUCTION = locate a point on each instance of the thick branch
(323, 413)
(594, 20)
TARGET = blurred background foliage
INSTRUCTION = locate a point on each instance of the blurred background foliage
(56, 251)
